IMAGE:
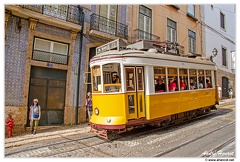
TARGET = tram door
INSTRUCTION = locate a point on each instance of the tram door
(135, 92)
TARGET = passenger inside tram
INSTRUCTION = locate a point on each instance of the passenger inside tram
(160, 86)
(200, 83)
(172, 85)
(192, 84)
(182, 85)
(208, 84)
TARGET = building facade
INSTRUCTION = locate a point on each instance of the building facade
(221, 35)
(41, 47)
(42, 50)
(170, 24)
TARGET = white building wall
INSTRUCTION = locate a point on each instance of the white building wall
(215, 36)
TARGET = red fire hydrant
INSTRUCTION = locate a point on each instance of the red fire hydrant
(10, 125)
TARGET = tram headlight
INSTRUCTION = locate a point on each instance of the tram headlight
(96, 111)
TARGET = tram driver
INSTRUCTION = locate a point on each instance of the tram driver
(115, 79)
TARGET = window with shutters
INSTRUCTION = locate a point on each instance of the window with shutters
(145, 22)
(171, 31)
(224, 56)
(191, 10)
(191, 42)
(222, 20)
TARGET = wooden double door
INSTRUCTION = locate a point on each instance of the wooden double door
(49, 87)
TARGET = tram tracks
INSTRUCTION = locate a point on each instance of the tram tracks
(195, 139)
(41, 145)
(56, 149)
(81, 145)
(218, 148)
(72, 145)
(134, 132)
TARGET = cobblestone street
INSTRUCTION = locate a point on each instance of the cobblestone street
(76, 141)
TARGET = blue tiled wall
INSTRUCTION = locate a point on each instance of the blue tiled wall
(15, 60)
(82, 70)
(94, 8)
(123, 14)
(87, 15)
(52, 30)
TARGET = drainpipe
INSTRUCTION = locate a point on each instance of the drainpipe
(79, 62)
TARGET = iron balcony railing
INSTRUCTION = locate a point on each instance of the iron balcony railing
(109, 26)
(68, 13)
(50, 57)
(142, 35)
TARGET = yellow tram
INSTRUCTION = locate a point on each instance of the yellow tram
(132, 100)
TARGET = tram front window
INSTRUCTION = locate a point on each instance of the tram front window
(112, 78)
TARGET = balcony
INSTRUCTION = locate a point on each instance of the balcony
(142, 35)
(69, 13)
(50, 57)
(105, 25)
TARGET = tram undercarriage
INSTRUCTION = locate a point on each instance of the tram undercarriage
(142, 122)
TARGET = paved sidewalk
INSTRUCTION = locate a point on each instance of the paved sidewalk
(226, 101)
(45, 133)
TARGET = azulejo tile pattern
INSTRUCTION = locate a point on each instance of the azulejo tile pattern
(52, 30)
(15, 60)
(123, 14)
(15, 56)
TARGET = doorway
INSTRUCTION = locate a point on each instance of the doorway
(135, 92)
(224, 87)
(49, 87)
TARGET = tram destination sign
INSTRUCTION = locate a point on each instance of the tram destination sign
(116, 44)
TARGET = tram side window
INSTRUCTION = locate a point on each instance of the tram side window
(183, 77)
(96, 79)
(208, 79)
(201, 79)
(193, 78)
(159, 79)
(111, 78)
(172, 79)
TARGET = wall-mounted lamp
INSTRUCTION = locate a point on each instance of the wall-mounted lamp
(214, 52)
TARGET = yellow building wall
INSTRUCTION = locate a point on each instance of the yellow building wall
(160, 13)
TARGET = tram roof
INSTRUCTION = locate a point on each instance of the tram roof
(149, 55)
